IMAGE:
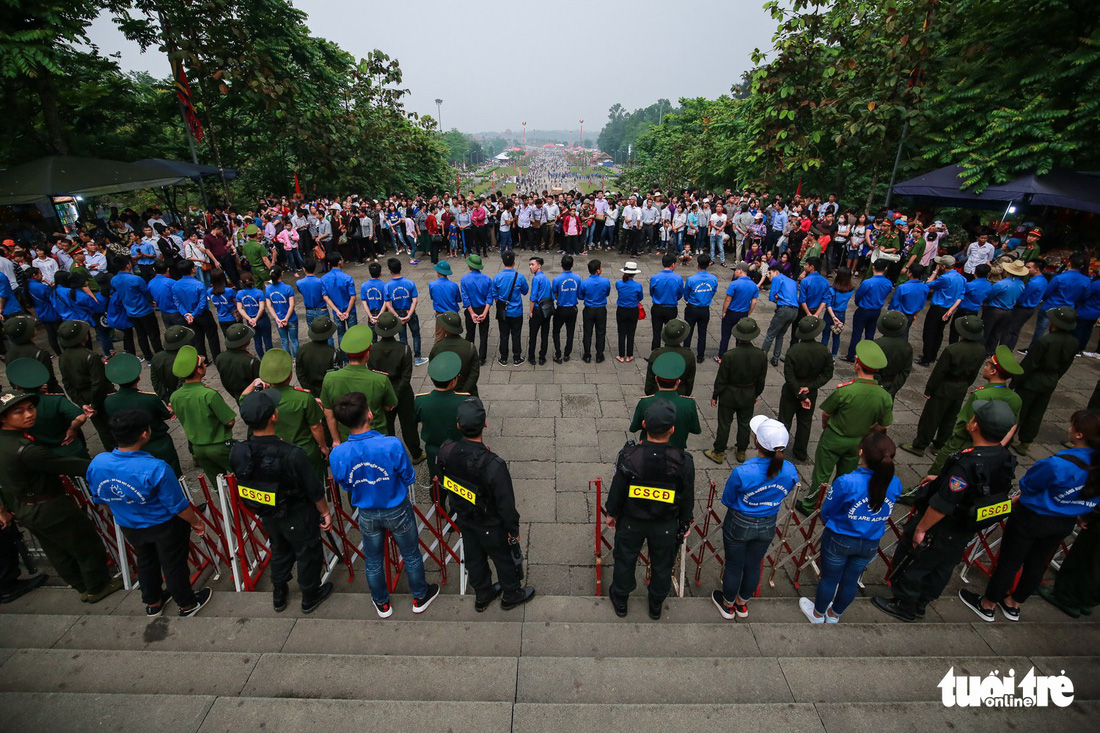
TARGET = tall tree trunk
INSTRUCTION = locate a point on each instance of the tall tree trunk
(47, 96)
(871, 190)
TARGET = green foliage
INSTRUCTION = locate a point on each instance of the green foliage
(623, 128)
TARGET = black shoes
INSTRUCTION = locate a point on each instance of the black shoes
(557, 360)
(22, 587)
(481, 605)
(311, 605)
(586, 359)
(619, 606)
(201, 599)
(278, 597)
(565, 358)
(698, 360)
(502, 361)
(542, 360)
(518, 360)
(974, 602)
(599, 359)
(655, 610)
(893, 607)
(774, 361)
(420, 605)
(507, 604)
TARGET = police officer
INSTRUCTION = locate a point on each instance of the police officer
(278, 482)
(236, 367)
(481, 493)
(851, 411)
(20, 330)
(668, 369)
(83, 375)
(448, 337)
(148, 503)
(206, 418)
(436, 411)
(356, 376)
(808, 368)
(125, 371)
(316, 357)
(33, 495)
(737, 386)
(673, 334)
(59, 425)
(394, 359)
(1047, 360)
(934, 539)
(947, 384)
(651, 502)
(160, 371)
(899, 352)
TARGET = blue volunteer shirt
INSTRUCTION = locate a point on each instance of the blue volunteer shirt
(1005, 293)
(742, 292)
(87, 307)
(116, 314)
(400, 291)
(873, 292)
(750, 491)
(134, 293)
(475, 287)
(975, 294)
(812, 291)
(541, 288)
(910, 297)
(224, 304)
(947, 288)
(42, 298)
(666, 288)
(312, 291)
(1089, 309)
(839, 301)
(161, 289)
(373, 468)
(190, 296)
(594, 291)
(373, 293)
(339, 287)
(11, 303)
(783, 290)
(1069, 288)
(1053, 485)
(141, 491)
(1033, 292)
(701, 289)
(279, 295)
(253, 301)
(445, 295)
(628, 293)
(502, 286)
(564, 288)
(63, 304)
(845, 510)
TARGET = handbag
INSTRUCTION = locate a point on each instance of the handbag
(838, 328)
(641, 312)
(502, 305)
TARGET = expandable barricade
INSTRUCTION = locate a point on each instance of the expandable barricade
(798, 536)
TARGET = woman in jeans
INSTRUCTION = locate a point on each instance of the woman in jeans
(855, 513)
(1053, 493)
(754, 493)
(629, 295)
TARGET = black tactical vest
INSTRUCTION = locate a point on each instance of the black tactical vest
(264, 486)
(653, 472)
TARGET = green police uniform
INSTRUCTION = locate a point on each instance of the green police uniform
(673, 335)
(437, 411)
(206, 418)
(739, 382)
(254, 252)
(467, 353)
(898, 350)
(853, 409)
(394, 359)
(808, 365)
(160, 370)
(160, 444)
(953, 374)
(1044, 365)
(360, 378)
(83, 375)
(236, 367)
(298, 412)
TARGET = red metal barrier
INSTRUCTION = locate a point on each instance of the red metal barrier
(802, 550)
(706, 548)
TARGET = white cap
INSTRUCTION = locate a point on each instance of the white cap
(770, 434)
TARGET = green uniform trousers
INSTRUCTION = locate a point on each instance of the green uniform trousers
(69, 541)
(212, 459)
(406, 414)
(836, 455)
(937, 420)
(728, 411)
(164, 449)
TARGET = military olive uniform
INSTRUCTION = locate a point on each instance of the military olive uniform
(298, 412)
(32, 351)
(687, 382)
(237, 369)
(899, 363)
(375, 386)
(687, 416)
(808, 364)
(160, 374)
(394, 359)
(853, 409)
(55, 414)
(31, 488)
(960, 438)
(437, 414)
(953, 374)
(206, 420)
(739, 382)
(471, 363)
(86, 383)
(1045, 363)
(315, 359)
(160, 445)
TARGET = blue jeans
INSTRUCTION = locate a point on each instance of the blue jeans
(717, 250)
(746, 541)
(293, 259)
(262, 339)
(505, 241)
(401, 522)
(1042, 323)
(843, 559)
(864, 322)
(288, 337)
(414, 326)
(343, 326)
(836, 336)
(678, 241)
(103, 335)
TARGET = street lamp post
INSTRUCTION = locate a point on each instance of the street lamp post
(439, 114)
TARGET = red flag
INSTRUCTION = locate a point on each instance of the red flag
(798, 191)
(183, 93)
(297, 187)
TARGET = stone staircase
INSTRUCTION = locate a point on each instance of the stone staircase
(560, 663)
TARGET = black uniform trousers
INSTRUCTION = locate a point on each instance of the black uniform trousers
(162, 552)
(660, 538)
(937, 420)
(997, 321)
(1029, 541)
(511, 327)
(404, 411)
(790, 408)
(1016, 322)
(9, 558)
(1078, 581)
(953, 335)
(697, 316)
(729, 320)
(1032, 409)
(660, 315)
(626, 322)
(296, 537)
(594, 319)
(564, 316)
(482, 332)
(70, 542)
(933, 332)
(206, 331)
(728, 411)
(148, 335)
(927, 574)
(483, 543)
(539, 325)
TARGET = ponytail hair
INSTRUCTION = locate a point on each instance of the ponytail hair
(878, 453)
(775, 457)
(1087, 422)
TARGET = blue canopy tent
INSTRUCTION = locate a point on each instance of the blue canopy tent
(1061, 188)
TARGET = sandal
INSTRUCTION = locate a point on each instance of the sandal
(620, 359)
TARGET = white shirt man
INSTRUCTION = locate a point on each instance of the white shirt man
(978, 253)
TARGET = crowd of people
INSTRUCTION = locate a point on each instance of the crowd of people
(226, 277)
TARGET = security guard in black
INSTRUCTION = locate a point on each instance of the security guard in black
(651, 501)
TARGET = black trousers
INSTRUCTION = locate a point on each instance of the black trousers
(1029, 541)
(649, 233)
(630, 536)
(9, 558)
(296, 538)
(511, 327)
(172, 319)
(69, 540)
(483, 334)
(729, 320)
(697, 316)
(229, 267)
(933, 332)
(937, 420)
(206, 331)
(1016, 322)
(539, 325)
(634, 236)
(922, 581)
(484, 543)
(627, 321)
(953, 335)
(148, 335)
(162, 551)
(594, 319)
(660, 315)
(404, 412)
(564, 316)
(51, 336)
(790, 409)
(996, 321)
(1078, 582)
(727, 413)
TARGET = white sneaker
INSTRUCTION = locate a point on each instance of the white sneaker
(830, 617)
(807, 607)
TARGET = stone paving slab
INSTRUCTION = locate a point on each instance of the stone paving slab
(1053, 640)
(34, 712)
(429, 636)
(67, 601)
(232, 715)
(868, 640)
(168, 634)
(557, 717)
(906, 717)
(549, 639)
(33, 631)
(1081, 670)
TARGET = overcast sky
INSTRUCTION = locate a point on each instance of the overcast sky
(576, 57)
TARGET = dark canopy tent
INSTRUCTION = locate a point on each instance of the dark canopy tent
(194, 171)
(61, 175)
(1061, 188)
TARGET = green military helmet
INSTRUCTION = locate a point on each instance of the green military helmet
(123, 368)
(870, 355)
(669, 366)
(186, 361)
(809, 328)
(443, 268)
(276, 366)
(746, 329)
(1063, 318)
(892, 323)
(450, 322)
(1005, 361)
(970, 328)
(177, 336)
(475, 262)
(674, 332)
(445, 366)
(387, 324)
(28, 374)
(20, 329)
(72, 334)
(357, 339)
(321, 328)
(238, 335)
